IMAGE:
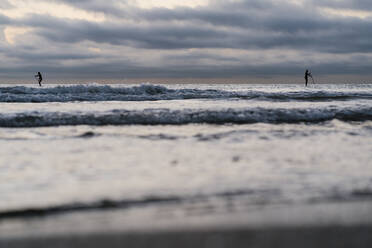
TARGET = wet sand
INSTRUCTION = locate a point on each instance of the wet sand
(332, 236)
(312, 225)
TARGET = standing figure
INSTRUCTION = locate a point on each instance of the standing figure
(307, 75)
(39, 77)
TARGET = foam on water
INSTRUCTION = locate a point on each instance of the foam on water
(149, 92)
(185, 116)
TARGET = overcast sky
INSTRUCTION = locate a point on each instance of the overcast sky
(189, 38)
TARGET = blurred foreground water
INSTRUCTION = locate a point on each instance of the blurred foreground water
(162, 153)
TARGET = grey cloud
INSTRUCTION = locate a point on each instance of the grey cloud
(344, 4)
(177, 66)
(4, 4)
(36, 55)
(193, 56)
(128, 70)
(4, 20)
(110, 7)
(295, 32)
(286, 25)
(253, 25)
(264, 15)
(26, 55)
(156, 36)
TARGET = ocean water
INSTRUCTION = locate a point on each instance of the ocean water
(186, 150)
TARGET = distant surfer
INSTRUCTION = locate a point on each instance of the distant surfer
(39, 77)
(307, 75)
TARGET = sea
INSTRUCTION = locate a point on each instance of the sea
(143, 154)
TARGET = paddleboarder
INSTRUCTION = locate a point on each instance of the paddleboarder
(39, 78)
(307, 75)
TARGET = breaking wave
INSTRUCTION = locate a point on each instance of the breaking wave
(149, 92)
(185, 116)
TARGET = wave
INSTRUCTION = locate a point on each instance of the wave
(185, 116)
(270, 196)
(73, 207)
(106, 204)
(149, 92)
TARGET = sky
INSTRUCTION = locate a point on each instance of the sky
(250, 39)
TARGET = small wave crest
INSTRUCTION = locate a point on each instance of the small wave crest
(106, 204)
(185, 116)
(73, 207)
(265, 196)
(149, 92)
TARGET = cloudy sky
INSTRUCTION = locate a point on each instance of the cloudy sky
(184, 39)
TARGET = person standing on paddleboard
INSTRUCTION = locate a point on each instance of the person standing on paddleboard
(307, 75)
(39, 77)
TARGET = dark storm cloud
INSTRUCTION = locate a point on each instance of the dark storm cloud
(344, 4)
(253, 24)
(260, 25)
(146, 36)
(297, 31)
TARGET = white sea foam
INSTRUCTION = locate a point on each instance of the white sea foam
(149, 92)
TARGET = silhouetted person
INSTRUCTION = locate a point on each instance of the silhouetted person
(39, 77)
(307, 75)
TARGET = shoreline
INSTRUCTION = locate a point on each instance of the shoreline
(332, 236)
(312, 225)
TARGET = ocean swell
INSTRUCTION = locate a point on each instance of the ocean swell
(185, 116)
(149, 92)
